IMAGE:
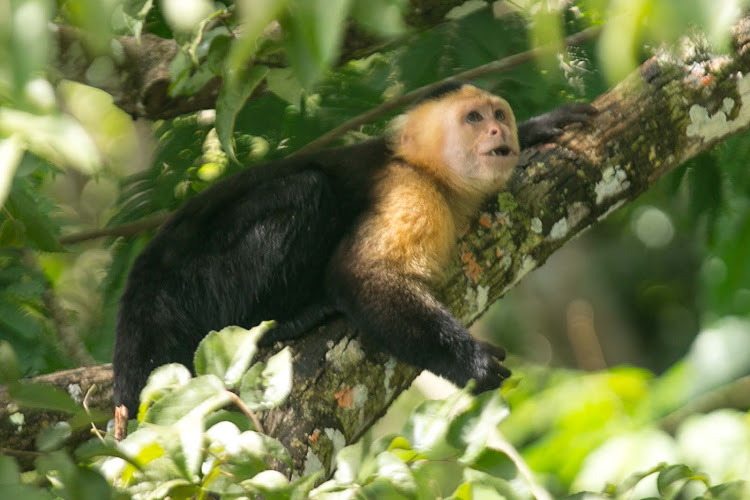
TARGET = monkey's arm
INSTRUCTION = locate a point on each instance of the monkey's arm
(547, 126)
(397, 313)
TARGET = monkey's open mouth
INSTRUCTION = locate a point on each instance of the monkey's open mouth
(501, 151)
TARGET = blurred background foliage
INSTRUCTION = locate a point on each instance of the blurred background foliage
(644, 314)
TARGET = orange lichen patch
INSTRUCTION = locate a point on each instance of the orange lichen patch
(498, 253)
(471, 267)
(707, 80)
(313, 438)
(485, 221)
(345, 397)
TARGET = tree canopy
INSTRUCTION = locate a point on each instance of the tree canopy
(630, 345)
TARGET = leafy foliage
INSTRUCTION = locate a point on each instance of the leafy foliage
(187, 445)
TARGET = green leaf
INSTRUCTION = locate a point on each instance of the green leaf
(266, 386)
(25, 492)
(77, 483)
(190, 431)
(348, 463)
(12, 234)
(315, 34)
(46, 397)
(199, 396)
(10, 474)
(284, 83)
(238, 85)
(28, 39)
(228, 353)
(397, 472)
(383, 17)
(671, 474)
(38, 227)
(53, 437)
(11, 152)
(733, 490)
(10, 370)
(256, 16)
(162, 381)
(272, 484)
(428, 425)
(57, 138)
(471, 430)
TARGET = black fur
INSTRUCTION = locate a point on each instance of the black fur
(441, 91)
(262, 245)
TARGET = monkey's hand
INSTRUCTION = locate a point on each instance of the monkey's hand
(545, 127)
(490, 371)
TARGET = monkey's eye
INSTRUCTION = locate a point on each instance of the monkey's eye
(499, 115)
(474, 117)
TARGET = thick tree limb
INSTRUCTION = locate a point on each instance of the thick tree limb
(667, 112)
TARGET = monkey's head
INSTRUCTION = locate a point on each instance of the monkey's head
(464, 134)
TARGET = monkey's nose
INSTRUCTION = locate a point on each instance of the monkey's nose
(494, 131)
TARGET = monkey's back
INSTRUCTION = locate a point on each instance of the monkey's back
(253, 247)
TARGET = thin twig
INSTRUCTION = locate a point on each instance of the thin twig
(247, 411)
(122, 230)
(504, 64)
(94, 429)
(19, 453)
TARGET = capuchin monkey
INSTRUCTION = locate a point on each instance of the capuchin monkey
(363, 230)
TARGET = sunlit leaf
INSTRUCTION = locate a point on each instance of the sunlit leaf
(269, 385)
(29, 39)
(57, 138)
(471, 430)
(229, 352)
(11, 151)
(162, 381)
(272, 484)
(397, 472)
(199, 396)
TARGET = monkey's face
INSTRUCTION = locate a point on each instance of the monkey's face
(480, 137)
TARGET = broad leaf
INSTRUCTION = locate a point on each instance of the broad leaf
(199, 396)
(46, 397)
(266, 386)
(162, 381)
(229, 352)
(238, 85)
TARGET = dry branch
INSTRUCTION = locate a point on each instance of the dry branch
(665, 113)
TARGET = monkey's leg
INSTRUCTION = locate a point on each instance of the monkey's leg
(397, 314)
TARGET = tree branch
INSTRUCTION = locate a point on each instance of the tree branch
(137, 73)
(662, 115)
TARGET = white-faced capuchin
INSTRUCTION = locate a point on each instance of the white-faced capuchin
(362, 230)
